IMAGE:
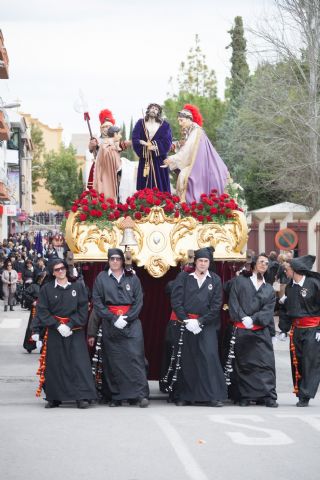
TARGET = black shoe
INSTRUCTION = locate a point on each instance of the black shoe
(271, 403)
(303, 402)
(133, 401)
(181, 403)
(260, 401)
(82, 404)
(52, 404)
(143, 403)
(6, 308)
(244, 403)
(215, 403)
(11, 308)
(115, 403)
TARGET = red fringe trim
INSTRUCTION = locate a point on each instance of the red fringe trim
(297, 375)
(42, 364)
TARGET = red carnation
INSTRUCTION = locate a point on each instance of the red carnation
(74, 208)
(200, 218)
(94, 202)
(137, 216)
(177, 214)
(98, 213)
(213, 210)
(85, 208)
(116, 213)
(82, 217)
(147, 210)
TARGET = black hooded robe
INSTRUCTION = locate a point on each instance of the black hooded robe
(68, 375)
(201, 377)
(254, 375)
(123, 350)
(304, 301)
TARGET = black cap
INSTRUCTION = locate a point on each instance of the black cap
(204, 253)
(115, 251)
(303, 264)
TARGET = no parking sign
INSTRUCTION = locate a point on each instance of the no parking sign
(286, 239)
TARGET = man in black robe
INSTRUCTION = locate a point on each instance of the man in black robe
(196, 301)
(62, 310)
(117, 301)
(302, 309)
(251, 307)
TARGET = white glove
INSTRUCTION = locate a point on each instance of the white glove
(196, 331)
(35, 337)
(39, 344)
(121, 322)
(283, 299)
(318, 336)
(247, 322)
(192, 325)
(282, 337)
(64, 330)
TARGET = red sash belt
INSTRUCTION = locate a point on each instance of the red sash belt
(62, 320)
(174, 317)
(119, 309)
(240, 325)
(306, 322)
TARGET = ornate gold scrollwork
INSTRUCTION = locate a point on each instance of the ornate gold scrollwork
(162, 241)
(215, 234)
(183, 227)
(156, 266)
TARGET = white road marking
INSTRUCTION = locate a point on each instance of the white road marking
(312, 420)
(11, 323)
(191, 467)
(271, 436)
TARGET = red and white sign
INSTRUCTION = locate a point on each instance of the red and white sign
(10, 210)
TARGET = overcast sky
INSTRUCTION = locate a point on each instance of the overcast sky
(121, 54)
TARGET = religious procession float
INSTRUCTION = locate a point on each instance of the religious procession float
(158, 230)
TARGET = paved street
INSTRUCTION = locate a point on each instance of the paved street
(161, 442)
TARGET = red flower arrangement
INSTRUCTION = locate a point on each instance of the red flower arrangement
(93, 207)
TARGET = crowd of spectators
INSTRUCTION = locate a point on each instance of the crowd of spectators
(21, 262)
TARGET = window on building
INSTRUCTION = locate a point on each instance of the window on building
(13, 143)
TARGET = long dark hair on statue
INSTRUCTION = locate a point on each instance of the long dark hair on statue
(158, 117)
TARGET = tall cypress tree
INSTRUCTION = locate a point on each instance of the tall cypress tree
(239, 66)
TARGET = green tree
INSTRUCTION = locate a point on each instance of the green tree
(197, 85)
(80, 181)
(239, 66)
(234, 93)
(37, 152)
(194, 76)
(62, 178)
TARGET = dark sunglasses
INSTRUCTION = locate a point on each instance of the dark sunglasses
(59, 269)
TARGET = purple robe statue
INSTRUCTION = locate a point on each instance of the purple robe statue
(155, 176)
(201, 167)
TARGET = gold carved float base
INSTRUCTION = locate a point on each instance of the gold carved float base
(162, 241)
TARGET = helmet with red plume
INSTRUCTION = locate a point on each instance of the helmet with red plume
(106, 116)
(192, 112)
